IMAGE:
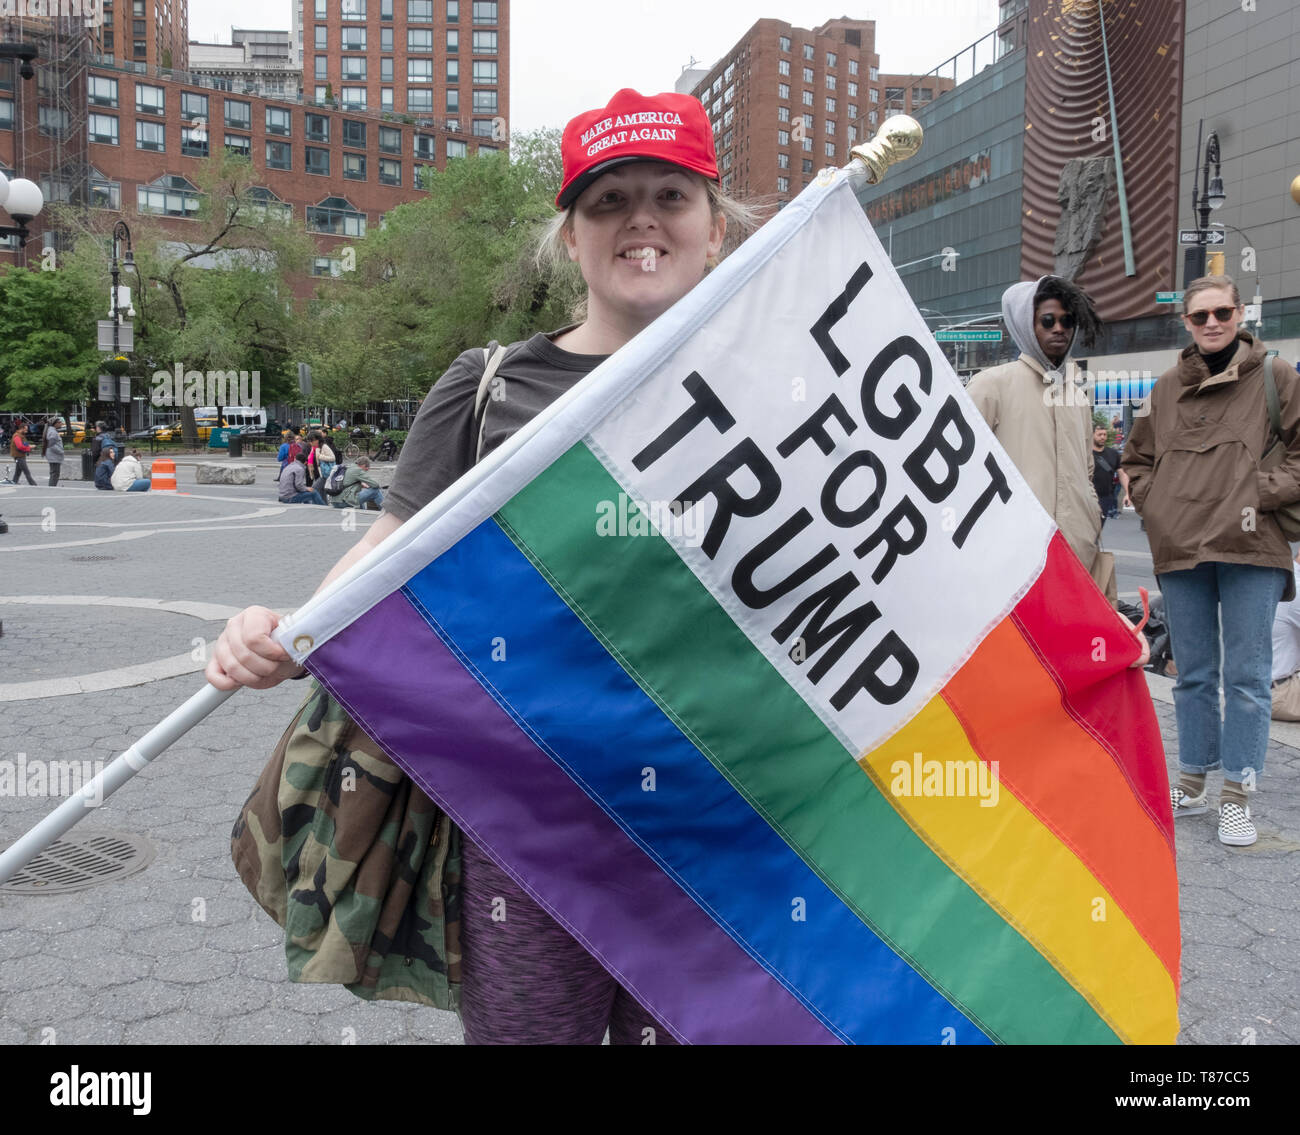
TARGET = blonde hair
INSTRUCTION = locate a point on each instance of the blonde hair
(1211, 283)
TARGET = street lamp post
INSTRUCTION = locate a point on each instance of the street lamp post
(121, 233)
(1211, 197)
(20, 198)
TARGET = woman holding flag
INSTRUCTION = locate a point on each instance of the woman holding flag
(643, 216)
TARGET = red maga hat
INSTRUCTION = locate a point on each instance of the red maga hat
(636, 128)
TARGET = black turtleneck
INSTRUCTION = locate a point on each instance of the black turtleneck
(1221, 360)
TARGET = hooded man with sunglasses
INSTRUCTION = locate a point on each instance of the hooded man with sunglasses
(1039, 410)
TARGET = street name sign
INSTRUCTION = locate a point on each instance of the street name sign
(968, 336)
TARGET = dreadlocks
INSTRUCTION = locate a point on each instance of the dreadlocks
(1075, 300)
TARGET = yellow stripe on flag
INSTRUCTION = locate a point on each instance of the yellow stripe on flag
(1019, 867)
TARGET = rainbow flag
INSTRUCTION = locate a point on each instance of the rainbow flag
(754, 661)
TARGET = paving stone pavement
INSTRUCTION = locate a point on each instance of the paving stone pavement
(181, 954)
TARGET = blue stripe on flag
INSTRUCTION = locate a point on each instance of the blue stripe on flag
(599, 725)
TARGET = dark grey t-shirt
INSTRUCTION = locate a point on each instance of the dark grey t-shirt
(443, 439)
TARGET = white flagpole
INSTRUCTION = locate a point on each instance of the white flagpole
(76, 807)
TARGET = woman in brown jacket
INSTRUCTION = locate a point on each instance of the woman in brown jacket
(1220, 557)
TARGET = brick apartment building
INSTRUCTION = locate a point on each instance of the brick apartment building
(445, 59)
(125, 136)
(787, 101)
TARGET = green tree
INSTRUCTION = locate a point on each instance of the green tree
(451, 271)
(47, 339)
(215, 293)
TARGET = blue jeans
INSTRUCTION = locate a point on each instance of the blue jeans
(363, 498)
(307, 497)
(139, 485)
(1232, 605)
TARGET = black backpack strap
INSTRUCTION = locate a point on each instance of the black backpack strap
(493, 354)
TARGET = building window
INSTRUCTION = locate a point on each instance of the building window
(853, 136)
(830, 82)
(419, 70)
(104, 193)
(326, 266)
(149, 100)
(322, 93)
(277, 120)
(354, 39)
(783, 90)
(354, 167)
(239, 144)
(807, 74)
(873, 73)
(830, 126)
(456, 148)
(482, 127)
(322, 38)
(386, 98)
(419, 11)
(194, 141)
(453, 70)
(924, 94)
(808, 122)
(390, 172)
(419, 100)
(872, 118)
(352, 9)
(485, 43)
(336, 216)
(353, 98)
(385, 39)
(485, 11)
(830, 104)
(785, 43)
(354, 67)
(169, 196)
(783, 66)
(807, 98)
(853, 111)
(783, 185)
(239, 114)
(419, 39)
(322, 65)
(783, 114)
(453, 41)
(874, 96)
(139, 49)
(485, 71)
(194, 106)
(807, 165)
(149, 136)
(103, 92)
(385, 9)
(453, 101)
(807, 50)
(52, 121)
(782, 161)
(831, 59)
(385, 70)
(316, 160)
(354, 134)
(103, 128)
(425, 146)
(453, 11)
(318, 127)
(485, 102)
(783, 137)
(277, 155)
(322, 9)
(390, 140)
(6, 114)
(807, 143)
(853, 89)
(853, 66)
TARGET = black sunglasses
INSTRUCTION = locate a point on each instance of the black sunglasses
(1049, 321)
(1200, 318)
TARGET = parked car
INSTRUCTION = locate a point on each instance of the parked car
(164, 432)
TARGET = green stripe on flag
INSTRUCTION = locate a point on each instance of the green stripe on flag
(673, 638)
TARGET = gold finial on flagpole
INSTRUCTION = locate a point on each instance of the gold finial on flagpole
(898, 138)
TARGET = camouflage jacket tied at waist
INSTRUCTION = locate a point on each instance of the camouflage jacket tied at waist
(358, 865)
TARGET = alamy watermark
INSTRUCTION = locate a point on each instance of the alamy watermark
(628, 517)
(90, 12)
(180, 387)
(950, 778)
(36, 778)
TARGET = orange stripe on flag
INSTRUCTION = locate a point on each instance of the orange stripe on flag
(1011, 710)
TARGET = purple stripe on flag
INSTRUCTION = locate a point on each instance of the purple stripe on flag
(466, 752)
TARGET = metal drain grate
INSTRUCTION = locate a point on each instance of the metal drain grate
(82, 861)
(92, 559)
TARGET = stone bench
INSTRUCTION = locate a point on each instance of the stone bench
(225, 473)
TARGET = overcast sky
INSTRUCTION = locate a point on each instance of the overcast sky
(562, 66)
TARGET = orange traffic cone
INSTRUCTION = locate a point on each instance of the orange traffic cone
(162, 477)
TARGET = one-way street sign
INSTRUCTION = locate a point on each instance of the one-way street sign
(1200, 236)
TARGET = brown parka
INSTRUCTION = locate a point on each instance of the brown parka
(1192, 460)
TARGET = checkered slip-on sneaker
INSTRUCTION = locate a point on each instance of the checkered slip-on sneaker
(1235, 828)
(1185, 805)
